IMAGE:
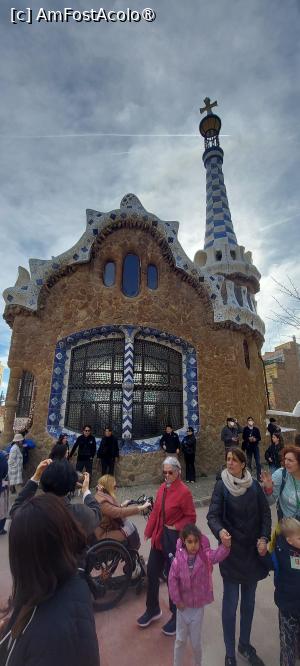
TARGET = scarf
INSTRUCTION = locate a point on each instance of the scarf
(235, 486)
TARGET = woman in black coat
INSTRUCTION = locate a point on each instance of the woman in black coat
(240, 517)
(52, 621)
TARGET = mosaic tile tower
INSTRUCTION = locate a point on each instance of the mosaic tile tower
(222, 254)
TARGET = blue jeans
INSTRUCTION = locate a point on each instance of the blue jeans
(229, 607)
(254, 452)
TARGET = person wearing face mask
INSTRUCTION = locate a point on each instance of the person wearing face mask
(173, 509)
(251, 439)
(230, 433)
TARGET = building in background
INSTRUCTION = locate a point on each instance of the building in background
(123, 329)
(283, 375)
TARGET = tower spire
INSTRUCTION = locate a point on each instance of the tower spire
(219, 227)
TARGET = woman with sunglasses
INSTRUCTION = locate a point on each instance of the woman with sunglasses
(173, 509)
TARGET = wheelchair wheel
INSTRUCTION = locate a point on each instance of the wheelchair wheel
(108, 571)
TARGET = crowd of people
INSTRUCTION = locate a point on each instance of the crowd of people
(50, 533)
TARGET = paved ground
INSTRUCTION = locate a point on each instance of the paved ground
(201, 490)
(122, 641)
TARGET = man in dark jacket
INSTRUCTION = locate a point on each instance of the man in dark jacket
(86, 445)
(108, 452)
(230, 433)
(170, 441)
(251, 439)
(273, 426)
(60, 478)
(188, 447)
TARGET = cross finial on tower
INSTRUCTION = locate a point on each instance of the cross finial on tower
(208, 106)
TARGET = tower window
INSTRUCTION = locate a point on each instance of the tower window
(218, 255)
(233, 254)
(109, 273)
(131, 275)
(238, 294)
(152, 276)
(249, 301)
(246, 354)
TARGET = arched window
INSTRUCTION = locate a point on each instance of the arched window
(246, 354)
(25, 394)
(109, 273)
(95, 386)
(152, 276)
(131, 275)
(157, 396)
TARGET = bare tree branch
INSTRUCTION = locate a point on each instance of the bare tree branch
(287, 314)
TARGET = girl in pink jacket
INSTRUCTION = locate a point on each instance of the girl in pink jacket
(191, 588)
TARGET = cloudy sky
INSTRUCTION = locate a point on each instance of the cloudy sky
(82, 105)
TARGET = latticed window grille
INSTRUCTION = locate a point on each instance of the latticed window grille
(95, 386)
(157, 397)
(25, 394)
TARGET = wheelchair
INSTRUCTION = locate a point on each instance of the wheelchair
(112, 567)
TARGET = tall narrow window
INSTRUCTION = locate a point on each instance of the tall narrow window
(95, 386)
(246, 354)
(152, 276)
(131, 275)
(238, 294)
(25, 394)
(109, 273)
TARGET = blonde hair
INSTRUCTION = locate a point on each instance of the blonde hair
(108, 482)
(290, 526)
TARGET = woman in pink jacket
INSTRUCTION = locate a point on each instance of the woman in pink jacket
(191, 588)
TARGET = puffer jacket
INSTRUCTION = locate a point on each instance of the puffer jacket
(194, 589)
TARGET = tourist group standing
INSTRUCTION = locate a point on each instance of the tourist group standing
(52, 533)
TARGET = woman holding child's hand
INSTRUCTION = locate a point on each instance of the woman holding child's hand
(239, 516)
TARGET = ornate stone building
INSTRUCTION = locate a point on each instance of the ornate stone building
(125, 329)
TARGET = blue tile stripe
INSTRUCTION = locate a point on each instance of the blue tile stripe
(217, 207)
(59, 381)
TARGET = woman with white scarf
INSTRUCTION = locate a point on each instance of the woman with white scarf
(239, 516)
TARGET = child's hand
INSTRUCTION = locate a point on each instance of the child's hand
(225, 538)
(262, 547)
(180, 607)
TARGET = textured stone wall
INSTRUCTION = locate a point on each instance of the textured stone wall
(79, 300)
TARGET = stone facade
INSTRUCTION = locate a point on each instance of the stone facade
(202, 313)
(79, 301)
(283, 375)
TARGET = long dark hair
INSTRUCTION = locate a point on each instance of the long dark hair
(44, 542)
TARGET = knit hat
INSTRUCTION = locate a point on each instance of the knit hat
(18, 437)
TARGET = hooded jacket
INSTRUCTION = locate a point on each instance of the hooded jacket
(194, 589)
